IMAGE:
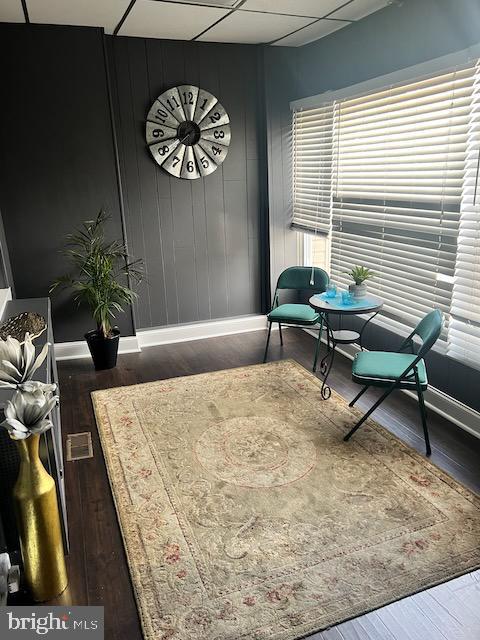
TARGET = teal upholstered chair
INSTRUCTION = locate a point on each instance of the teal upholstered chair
(298, 315)
(404, 369)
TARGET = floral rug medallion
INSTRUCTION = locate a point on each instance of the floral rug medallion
(246, 517)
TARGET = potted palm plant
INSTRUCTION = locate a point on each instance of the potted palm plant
(100, 269)
(359, 275)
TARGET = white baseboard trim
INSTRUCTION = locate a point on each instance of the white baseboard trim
(75, 350)
(460, 414)
(200, 330)
(168, 335)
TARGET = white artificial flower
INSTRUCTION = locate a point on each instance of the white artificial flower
(27, 412)
(18, 362)
(33, 385)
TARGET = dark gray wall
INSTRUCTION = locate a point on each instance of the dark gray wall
(391, 39)
(56, 156)
(6, 278)
(200, 239)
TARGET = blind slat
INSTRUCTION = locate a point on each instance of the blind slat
(464, 331)
(393, 177)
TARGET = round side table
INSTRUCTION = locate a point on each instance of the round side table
(332, 307)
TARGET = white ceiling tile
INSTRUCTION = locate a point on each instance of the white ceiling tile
(253, 28)
(11, 11)
(85, 13)
(153, 19)
(312, 8)
(358, 9)
(313, 32)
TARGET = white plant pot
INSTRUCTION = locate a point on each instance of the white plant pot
(358, 290)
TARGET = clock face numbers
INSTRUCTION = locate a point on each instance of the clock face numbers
(205, 102)
(188, 98)
(157, 132)
(216, 152)
(159, 115)
(216, 117)
(217, 134)
(162, 150)
(189, 166)
(173, 104)
(188, 132)
(173, 164)
(204, 162)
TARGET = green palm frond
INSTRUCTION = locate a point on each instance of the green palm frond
(99, 267)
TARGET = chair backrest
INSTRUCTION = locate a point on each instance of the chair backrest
(299, 278)
(428, 330)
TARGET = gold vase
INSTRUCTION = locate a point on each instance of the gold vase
(39, 524)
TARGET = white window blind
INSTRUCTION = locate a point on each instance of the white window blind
(464, 329)
(312, 169)
(393, 177)
(398, 165)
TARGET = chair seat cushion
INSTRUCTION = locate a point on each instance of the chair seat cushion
(294, 314)
(381, 367)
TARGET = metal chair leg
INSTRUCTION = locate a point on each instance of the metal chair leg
(317, 350)
(280, 331)
(359, 395)
(423, 413)
(370, 411)
(268, 341)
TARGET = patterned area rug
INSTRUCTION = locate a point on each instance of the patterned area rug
(246, 516)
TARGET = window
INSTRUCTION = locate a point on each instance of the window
(316, 251)
(392, 179)
(464, 328)
(312, 169)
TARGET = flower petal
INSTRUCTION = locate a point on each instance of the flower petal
(30, 386)
(39, 361)
(19, 435)
(41, 426)
(12, 423)
(5, 377)
(11, 370)
(13, 351)
(28, 356)
(34, 411)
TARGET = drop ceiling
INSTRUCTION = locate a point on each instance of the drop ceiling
(291, 23)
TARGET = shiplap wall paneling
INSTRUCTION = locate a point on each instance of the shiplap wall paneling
(57, 160)
(200, 239)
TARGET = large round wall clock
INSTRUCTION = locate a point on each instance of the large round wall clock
(188, 132)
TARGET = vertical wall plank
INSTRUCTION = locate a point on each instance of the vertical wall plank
(57, 158)
(200, 239)
(155, 64)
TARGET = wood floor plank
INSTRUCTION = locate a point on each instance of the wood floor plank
(406, 622)
(452, 628)
(97, 564)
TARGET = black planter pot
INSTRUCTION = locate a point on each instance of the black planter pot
(104, 350)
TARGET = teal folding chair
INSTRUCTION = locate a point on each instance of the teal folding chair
(297, 315)
(398, 370)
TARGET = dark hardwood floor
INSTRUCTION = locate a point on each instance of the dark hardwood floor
(97, 566)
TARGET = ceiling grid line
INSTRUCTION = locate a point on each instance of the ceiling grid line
(236, 8)
(124, 17)
(25, 11)
(291, 23)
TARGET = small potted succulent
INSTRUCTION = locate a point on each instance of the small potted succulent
(359, 275)
(100, 270)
